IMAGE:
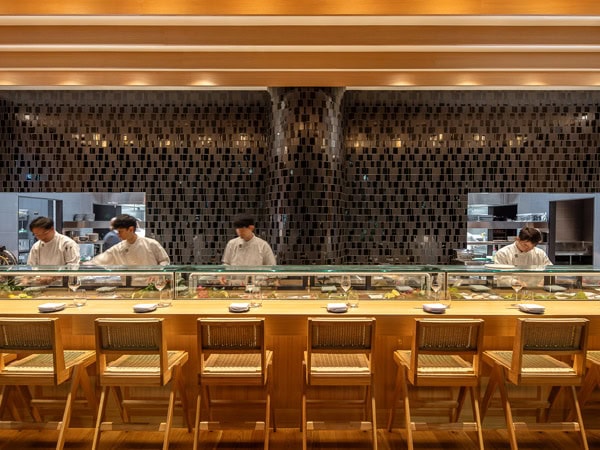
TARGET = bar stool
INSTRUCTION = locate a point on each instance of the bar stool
(537, 359)
(42, 362)
(133, 353)
(444, 353)
(233, 355)
(339, 355)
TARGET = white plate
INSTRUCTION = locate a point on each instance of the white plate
(337, 307)
(499, 266)
(145, 307)
(532, 308)
(434, 308)
(51, 307)
(239, 307)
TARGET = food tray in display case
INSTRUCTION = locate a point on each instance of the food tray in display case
(530, 284)
(50, 283)
(304, 282)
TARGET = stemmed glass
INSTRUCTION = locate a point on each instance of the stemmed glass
(517, 285)
(74, 283)
(160, 283)
(435, 287)
(345, 284)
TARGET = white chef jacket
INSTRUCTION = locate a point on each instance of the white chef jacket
(59, 251)
(255, 252)
(143, 252)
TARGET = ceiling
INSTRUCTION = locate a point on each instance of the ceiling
(223, 44)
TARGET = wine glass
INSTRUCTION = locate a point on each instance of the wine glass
(74, 283)
(345, 284)
(160, 283)
(517, 285)
(435, 287)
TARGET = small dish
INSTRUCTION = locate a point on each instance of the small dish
(51, 307)
(144, 307)
(337, 307)
(434, 308)
(239, 307)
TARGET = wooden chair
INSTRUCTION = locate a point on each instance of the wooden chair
(233, 355)
(541, 347)
(444, 353)
(340, 354)
(42, 363)
(133, 353)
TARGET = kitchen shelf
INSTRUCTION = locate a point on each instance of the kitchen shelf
(495, 244)
(86, 224)
(508, 225)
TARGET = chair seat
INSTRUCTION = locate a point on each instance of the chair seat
(437, 364)
(533, 364)
(235, 364)
(44, 362)
(143, 363)
(336, 363)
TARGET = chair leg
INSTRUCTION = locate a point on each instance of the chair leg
(120, 399)
(460, 401)
(270, 392)
(100, 416)
(552, 396)
(395, 396)
(575, 402)
(373, 415)
(304, 426)
(406, 402)
(171, 407)
(267, 419)
(5, 402)
(25, 395)
(474, 392)
(184, 402)
(197, 420)
(88, 391)
(66, 418)
(507, 409)
(489, 393)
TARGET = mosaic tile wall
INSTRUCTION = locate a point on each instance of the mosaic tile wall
(199, 157)
(379, 176)
(305, 194)
(412, 158)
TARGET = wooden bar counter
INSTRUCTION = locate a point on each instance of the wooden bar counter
(286, 333)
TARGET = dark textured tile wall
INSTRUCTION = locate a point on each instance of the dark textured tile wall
(199, 157)
(383, 176)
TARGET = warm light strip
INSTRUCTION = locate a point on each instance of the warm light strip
(292, 70)
(274, 20)
(295, 48)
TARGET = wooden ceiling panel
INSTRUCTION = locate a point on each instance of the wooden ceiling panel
(381, 43)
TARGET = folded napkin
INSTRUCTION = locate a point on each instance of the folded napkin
(434, 308)
(337, 307)
(328, 289)
(531, 308)
(51, 307)
(239, 307)
(144, 307)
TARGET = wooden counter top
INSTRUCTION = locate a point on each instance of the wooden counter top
(463, 308)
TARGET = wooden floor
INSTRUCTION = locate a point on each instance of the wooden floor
(289, 439)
